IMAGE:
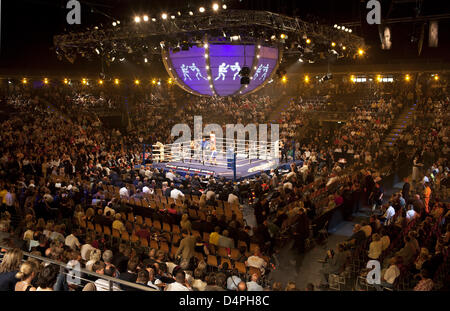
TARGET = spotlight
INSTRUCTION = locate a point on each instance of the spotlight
(145, 18)
(100, 82)
(407, 78)
(436, 77)
(154, 81)
(284, 79)
(118, 22)
(300, 60)
(153, 19)
(179, 13)
(145, 60)
(344, 48)
(201, 9)
(114, 24)
(137, 19)
(335, 26)
(352, 78)
(65, 81)
(306, 79)
(224, 6)
(215, 7)
(170, 81)
(116, 81)
(283, 36)
(333, 44)
(24, 81)
(137, 82)
(191, 13)
(350, 30)
(84, 81)
(97, 51)
(308, 40)
(164, 16)
(379, 78)
(360, 52)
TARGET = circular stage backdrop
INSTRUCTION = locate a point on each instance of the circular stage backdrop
(213, 69)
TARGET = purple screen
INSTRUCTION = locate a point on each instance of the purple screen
(190, 67)
(225, 63)
(268, 58)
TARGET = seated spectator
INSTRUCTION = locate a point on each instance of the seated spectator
(180, 283)
(47, 278)
(253, 285)
(426, 283)
(9, 267)
(335, 264)
(26, 274)
(375, 247)
(225, 241)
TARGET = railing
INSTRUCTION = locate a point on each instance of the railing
(63, 267)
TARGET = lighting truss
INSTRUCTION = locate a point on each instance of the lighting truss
(249, 25)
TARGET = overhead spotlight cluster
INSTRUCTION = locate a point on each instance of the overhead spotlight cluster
(165, 16)
(343, 28)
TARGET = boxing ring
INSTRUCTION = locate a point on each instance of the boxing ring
(232, 159)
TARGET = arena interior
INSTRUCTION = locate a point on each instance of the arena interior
(337, 179)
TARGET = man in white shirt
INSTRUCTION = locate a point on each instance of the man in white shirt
(389, 215)
(170, 175)
(102, 285)
(253, 285)
(411, 213)
(176, 194)
(180, 284)
(124, 193)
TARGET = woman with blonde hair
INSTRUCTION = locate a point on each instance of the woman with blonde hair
(26, 274)
(28, 235)
(118, 224)
(94, 256)
(90, 213)
(8, 269)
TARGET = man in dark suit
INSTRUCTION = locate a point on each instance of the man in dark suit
(130, 275)
(405, 190)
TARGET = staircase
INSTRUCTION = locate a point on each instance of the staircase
(399, 126)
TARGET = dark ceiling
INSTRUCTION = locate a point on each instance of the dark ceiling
(28, 26)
